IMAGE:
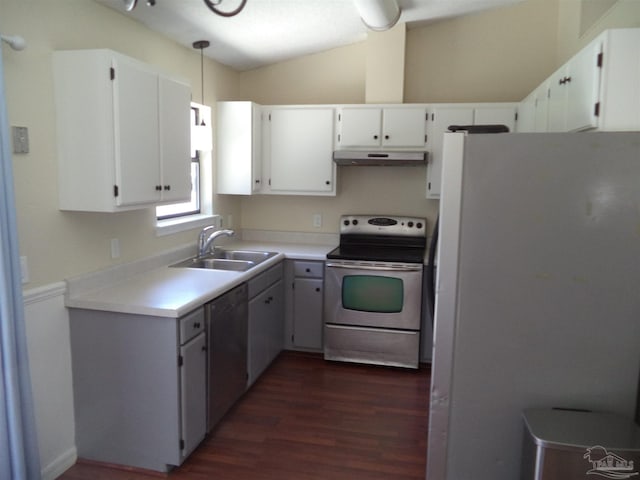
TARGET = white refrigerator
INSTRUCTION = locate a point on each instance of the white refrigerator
(537, 291)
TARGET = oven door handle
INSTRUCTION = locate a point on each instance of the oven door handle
(377, 268)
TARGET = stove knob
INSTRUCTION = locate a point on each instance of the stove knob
(355, 222)
(410, 224)
(419, 225)
(346, 222)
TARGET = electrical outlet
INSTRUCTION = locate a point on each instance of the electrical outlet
(20, 139)
(317, 220)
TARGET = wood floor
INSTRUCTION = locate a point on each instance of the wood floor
(307, 419)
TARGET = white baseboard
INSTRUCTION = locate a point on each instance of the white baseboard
(60, 465)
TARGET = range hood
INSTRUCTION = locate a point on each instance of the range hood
(379, 158)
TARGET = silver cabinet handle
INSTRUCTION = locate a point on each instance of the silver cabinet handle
(378, 268)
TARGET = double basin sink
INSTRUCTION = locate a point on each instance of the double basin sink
(229, 260)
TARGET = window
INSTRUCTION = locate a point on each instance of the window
(192, 207)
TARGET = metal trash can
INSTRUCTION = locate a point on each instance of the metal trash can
(561, 444)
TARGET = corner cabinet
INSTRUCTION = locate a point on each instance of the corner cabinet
(139, 387)
(598, 88)
(123, 131)
(239, 144)
(298, 150)
(442, 116)
(388, 127)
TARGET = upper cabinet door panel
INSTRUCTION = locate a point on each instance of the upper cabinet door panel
(360, 127)
(137, 132)
(583, 83)
(404, 127)
(175, 149)
(301, 150)
(495, 115)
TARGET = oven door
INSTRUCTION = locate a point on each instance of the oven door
(371, 294)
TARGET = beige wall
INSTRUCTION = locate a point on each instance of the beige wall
(623, 14)
(495, 56)
(61, 244)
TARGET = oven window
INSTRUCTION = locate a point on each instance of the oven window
(371, 293)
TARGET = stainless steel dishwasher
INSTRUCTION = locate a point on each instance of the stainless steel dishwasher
(227, 319)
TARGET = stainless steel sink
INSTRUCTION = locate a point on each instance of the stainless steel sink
(246, 255)
(230, 260)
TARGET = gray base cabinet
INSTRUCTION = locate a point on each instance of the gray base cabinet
(305, 305)
(266, 321)
(139, 387)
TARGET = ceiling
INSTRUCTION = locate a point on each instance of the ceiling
(270, 31)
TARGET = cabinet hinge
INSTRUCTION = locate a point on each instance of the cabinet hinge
(269, 182)
(180, 360)
(426, 117)
(600, 58)
(181, 444)
(339, 136)
(429, 186)
(339, 117)
(116, 191)
(433, 117)
(112, 73)
(292, 338)
(269, 117)
(516, 116)
(596, 109)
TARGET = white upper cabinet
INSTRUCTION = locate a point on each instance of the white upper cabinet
(388, 127)
(441, 117)
(598, 88)
(239, 148)
(123, 133)
(298, 150)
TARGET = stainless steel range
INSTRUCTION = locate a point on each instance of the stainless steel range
(373, 291)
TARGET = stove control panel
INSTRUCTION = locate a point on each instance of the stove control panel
(383, 225)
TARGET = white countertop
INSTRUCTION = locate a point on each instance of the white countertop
(173, 292)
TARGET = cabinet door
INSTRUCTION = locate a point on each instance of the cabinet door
(266, 330)
(440, 120)
(307, 313)
(360, 127)
(239, 133)
(495, 115)
(404, 127)
(301, 151)
(137, 133)
(175, 138)
(582, 84)
(193, 396)
(542, 108)
(557, 102)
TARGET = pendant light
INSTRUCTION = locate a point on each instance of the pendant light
(201, 133)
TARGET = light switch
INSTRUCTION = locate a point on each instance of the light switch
(20, 139)
(317, 220)
(115, 248)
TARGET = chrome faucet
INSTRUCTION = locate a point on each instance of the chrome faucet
(205, 245)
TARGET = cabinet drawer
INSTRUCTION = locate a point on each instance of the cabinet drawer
(308, 269)
(191, 325)
(264, 279)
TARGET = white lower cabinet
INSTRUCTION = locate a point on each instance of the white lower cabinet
(305, 305)
(266, 321)
(139, 387)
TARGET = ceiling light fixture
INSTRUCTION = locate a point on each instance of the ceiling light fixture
(201, 137)
(378, 15)
(213, 6)
(129, 5)
(201, 45)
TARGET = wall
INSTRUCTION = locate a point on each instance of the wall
(623, 14)
(62, 244)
